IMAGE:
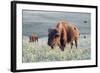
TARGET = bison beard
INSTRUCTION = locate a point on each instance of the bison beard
(62, 42)
(67, 34)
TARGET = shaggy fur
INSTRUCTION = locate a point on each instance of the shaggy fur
(65, 33)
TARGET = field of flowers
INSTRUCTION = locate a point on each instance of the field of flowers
(41, 52)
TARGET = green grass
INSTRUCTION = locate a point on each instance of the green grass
(33, 52)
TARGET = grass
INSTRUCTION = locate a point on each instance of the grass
(35, 52)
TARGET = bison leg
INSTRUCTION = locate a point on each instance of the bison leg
(37, 39)
(71, 45)
(76, 43)
(30, 39)
(60, 46)
(63, 44)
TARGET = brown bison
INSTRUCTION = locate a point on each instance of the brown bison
(63, 33)
(33, 38)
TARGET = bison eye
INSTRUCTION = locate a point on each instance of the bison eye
(56, 35)
(74, 28)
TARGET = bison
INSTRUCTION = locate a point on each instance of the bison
(33, 38)
(61, 35)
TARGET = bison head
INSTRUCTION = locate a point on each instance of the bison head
(76, 32)
(53, 37)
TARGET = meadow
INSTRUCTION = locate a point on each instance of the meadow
(39, 22)
(41, 52)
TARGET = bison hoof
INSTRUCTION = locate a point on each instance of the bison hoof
(52, 47)
(62, 48)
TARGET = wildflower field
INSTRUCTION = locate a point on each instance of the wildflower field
(41, 52)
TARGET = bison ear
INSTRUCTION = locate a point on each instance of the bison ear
(49, 30)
